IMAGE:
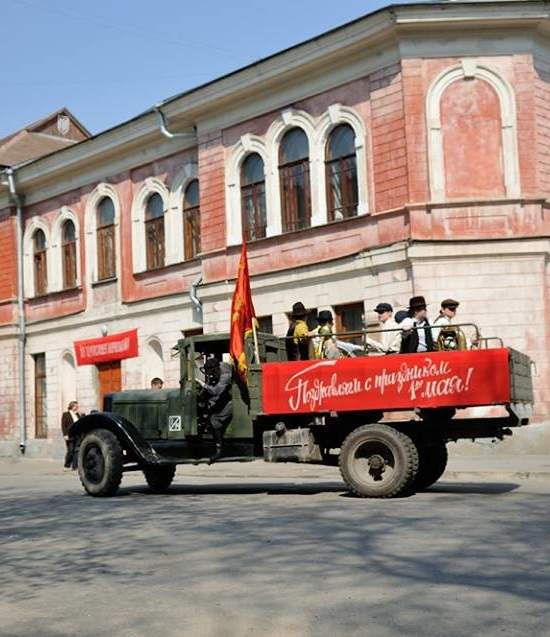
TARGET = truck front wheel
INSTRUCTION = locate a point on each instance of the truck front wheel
(160, 478)
(377, 461)
(100, 463)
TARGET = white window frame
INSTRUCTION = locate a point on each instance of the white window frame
(469, 68)
(65, 214)
(173, 229)
(247, 145)
(34, 224)
(336, 115)
(101, 191)
(139, 249)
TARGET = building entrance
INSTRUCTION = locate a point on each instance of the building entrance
(109, 379)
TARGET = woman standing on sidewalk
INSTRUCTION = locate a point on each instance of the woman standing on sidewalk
(67, 421)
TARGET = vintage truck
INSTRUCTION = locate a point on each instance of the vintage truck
(347, 411)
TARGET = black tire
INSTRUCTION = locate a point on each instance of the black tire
(100, 463)
(432, 464)
(377, 461)
(160, 478)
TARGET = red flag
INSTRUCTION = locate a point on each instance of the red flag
(242, 315)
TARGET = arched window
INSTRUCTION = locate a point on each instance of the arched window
(341, 174)
(254, 217)
(191, 220)
(154, 231)
(68, 255)
(40, 263)
(106, 250)
(294, 180)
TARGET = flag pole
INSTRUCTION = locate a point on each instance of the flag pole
(255, 335)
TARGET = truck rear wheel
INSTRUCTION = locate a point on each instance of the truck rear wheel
(160, 478)
(377, 461)
(100, 463)
(432, 464)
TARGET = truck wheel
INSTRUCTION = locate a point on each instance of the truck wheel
(432, 464)
(160, 478)
(377, 461)
(100, 463)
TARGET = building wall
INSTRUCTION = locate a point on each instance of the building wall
(452, 163)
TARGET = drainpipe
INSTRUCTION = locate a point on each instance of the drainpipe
(22, 331)
(197, 305)
(164, 127)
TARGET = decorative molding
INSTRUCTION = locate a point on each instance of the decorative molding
(317, 131)
(470, 69)
(65, 214)
(90, 228)
(34, 224)
(247, 145)
(139, 249)
(175, 241)
(338, 114)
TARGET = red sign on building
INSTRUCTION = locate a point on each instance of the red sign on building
(435, 379)
(107, 348)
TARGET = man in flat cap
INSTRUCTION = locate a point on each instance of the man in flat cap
(419, 339)
(447, 314)
(390, 342)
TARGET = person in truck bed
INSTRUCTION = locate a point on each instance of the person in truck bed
(390, 342)
(417, 340)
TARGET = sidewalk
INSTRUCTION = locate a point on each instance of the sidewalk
(460, 467)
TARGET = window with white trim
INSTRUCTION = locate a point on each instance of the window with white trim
(341, 173)
(253, 205)
(106, 246)
(294, 180)
(68, 254)
(154, 231)
(40, 263)
(191, 220)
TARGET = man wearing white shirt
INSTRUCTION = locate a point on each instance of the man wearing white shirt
(447, 315)
(390, 342)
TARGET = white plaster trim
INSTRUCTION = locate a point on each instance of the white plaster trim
(173, 219)
(90, 227)
(469, 68)
(56, 248)
(139, 250)
(34, 224)
(247, 145)
(291, 118)
(338, 114)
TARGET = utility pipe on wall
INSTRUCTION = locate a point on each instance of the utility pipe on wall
(22, 331)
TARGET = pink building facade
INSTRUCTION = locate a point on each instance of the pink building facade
(405, 153)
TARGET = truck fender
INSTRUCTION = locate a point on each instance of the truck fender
(129, 437)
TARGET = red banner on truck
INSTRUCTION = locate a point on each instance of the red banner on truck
(107, 348)
(400, 381)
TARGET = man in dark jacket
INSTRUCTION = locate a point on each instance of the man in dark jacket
(297, 341)
(217, 387)
(68, 419)
(420, 339)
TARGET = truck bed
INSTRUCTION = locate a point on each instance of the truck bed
(474, 378)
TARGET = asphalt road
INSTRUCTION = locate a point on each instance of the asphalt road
(247, 556)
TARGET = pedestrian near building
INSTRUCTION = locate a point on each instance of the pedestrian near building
(297, 341)
(390, 342)
(68, 419)
(417, 332)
